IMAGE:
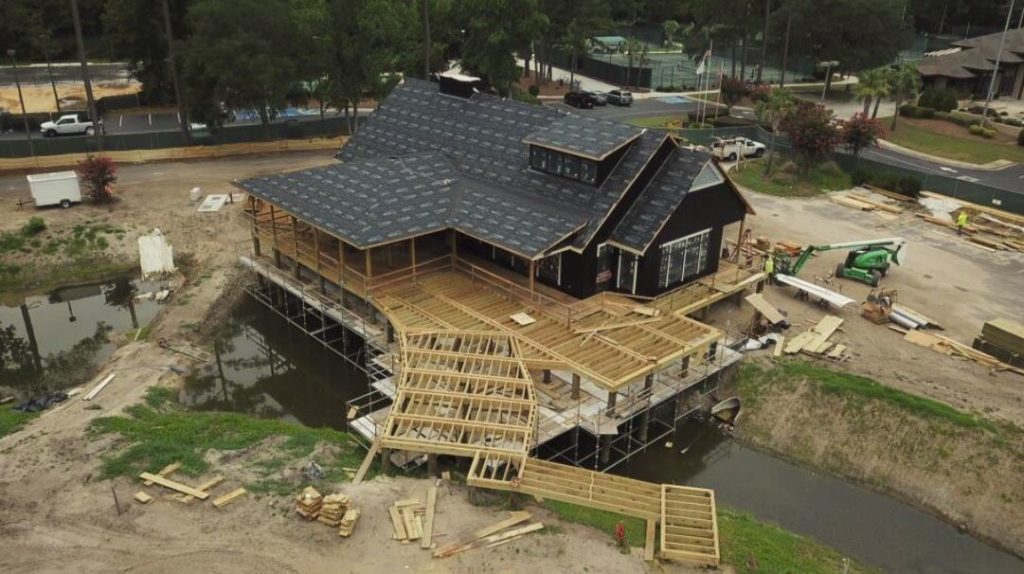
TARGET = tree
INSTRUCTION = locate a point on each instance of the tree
(811, 131)
(872, 86)
(496, 29)
(241, 54)
(670, 27)
(773, 110)
(733, 90)
(98, 174)
(860, 132)
(904, 84)
(134, 32)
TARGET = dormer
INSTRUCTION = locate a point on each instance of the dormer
(578, 148)
(460, 85)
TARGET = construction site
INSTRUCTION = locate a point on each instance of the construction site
(477, 306)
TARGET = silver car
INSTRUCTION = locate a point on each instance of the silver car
(620, 98)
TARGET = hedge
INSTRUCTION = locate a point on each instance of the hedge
(903, 184)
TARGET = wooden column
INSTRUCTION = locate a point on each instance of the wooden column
(683, 372)
(369, 271)
(612, 399)
(412, 255)
(273, 232)
(739, 240)
(255, 227)
(532, 273)
(341, 262)
(575, 386)
(295, 245)
(547, 375)
(432, 465)
(455, 247)
(319, 270)
(645, 418)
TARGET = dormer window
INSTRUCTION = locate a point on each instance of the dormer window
(563, 164)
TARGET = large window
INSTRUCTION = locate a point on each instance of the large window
(684, 258)
(563, 164)
(626, 276)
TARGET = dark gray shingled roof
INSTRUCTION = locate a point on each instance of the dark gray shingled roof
(660, 199)
(425, 161)
(587, 137)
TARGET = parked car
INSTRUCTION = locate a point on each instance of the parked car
(733, 148)
(600, 98)
(620, 98)
(582, 100)
(69, 124)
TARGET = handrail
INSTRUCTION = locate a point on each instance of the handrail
(518, 291)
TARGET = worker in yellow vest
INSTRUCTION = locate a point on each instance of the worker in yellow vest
(961, 222)
(769, 268)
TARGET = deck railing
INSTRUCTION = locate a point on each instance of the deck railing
(544, 303)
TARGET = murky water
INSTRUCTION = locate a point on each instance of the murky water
(55, 341)
(269, 368)
(873, 528)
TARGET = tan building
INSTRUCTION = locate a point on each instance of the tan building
(968, 65)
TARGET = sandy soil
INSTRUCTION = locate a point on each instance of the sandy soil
(53, 515)
(40, 98)
(955, 282)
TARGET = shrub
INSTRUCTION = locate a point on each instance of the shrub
(35, 226)
(760, 93)
(976, 129)
(859, 176)
(939, 99)
(733, 90)
(988, 133)
(924, 113)
(534, 90)
(98, 174)
(830, 168)
(907, 110)
(789, 167)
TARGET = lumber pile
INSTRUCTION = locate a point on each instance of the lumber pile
(407, 519)
(1003, 339)
(332, 509)
(956, 349)
(308, 503)
(989, 227)
(184, 492)
(815, 341)
(492, 536)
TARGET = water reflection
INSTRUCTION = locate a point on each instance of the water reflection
(56, 341)
(265, 367)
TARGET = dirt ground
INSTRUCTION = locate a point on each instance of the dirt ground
(40, 98)
(53, 515)
(954, 282)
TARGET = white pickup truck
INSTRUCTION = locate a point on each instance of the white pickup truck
(735, 148)
(69, 124)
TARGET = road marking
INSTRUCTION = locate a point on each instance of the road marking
(120, 119)
(150, 119)
(949, 169)
(968, 179)
(178, 115)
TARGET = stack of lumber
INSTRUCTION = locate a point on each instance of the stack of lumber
(989, 227)
(1003, 339)
(815, 341)
(952, 348)
(407, 519)
(332, 509)
(348, 522)
(867, 203)
(308, 503)
(789, 247)
(890, 194)
(491, 536)
(184, 492)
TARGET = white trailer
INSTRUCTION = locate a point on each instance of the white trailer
(59, 188)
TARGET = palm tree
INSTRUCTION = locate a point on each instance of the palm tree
(872, 85)
(904, 84)
(773, 110)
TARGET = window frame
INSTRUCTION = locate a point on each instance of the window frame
(666, 254)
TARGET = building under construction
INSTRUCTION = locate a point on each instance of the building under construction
(518, 284)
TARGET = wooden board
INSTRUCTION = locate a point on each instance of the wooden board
(428, 527)
(398, 527)
(205, 487)
(796, 344)
(779, 343)
(522, 319)
(769, 311)
(513, 519)
(514, 533)
(850, 202)
(167, 483)
(165, 472)
(837, 352)
(649, 541)
(365, 467)
(229, 497)
(143, 497)
(824, 330)
(877, 204)
(922, 339)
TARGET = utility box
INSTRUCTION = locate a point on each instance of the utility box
(59, 188)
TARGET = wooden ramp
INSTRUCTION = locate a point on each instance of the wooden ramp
(689, 529)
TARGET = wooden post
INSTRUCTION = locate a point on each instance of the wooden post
(255, 227)
(612, 399)
(273, 232)
(341, 263)
(531, 267)
(739, 241)
(432, 465)
(645, 418)
(369, 271)
(319, 271)
(295, 245)
(575, 386)
(412, 255)
(385, 461)
(390, 332)
(547, 375)
(683, 372)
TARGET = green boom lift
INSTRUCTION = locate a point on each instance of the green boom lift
(868, 261)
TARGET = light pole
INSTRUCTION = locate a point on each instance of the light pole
(24, 113)
(995, 69)
(45, 49)
(97, 130)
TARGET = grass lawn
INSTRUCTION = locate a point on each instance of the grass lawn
(12, 420)
(824, 177)
(965, 147)
(747, 544)
(162, 432)
(669, 122)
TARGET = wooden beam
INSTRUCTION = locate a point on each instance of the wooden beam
(229, 497)
(649, 542)
(608, 326)
(165, 472)
(363, 468)
(412, 255)
(295, 244)
(341, 262)
(167, 483)
(273, 224)
(513, 519)
(532, 268)
(428, 527)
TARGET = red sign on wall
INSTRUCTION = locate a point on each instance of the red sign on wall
(604, 276)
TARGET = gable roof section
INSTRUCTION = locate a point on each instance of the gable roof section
(587, 137)
(977, 56)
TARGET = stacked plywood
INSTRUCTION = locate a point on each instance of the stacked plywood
(1003, 339)
(815, 341)
(952, 348)
(308, 503)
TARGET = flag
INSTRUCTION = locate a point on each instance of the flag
(703, 60)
